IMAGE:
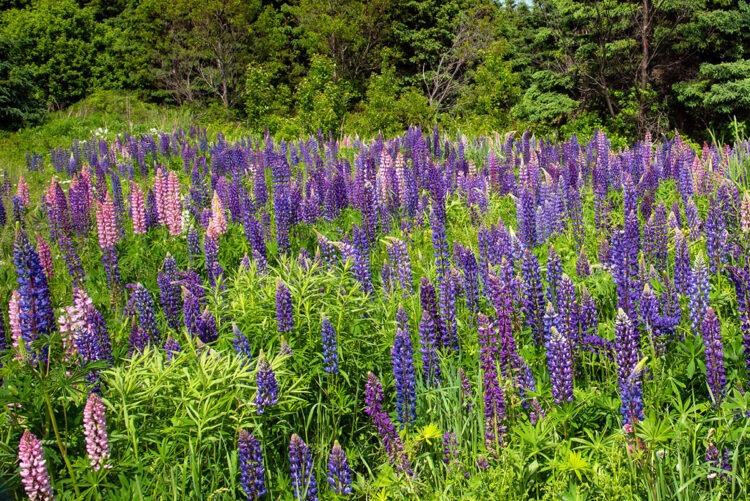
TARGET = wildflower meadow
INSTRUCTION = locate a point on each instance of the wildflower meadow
(186, 315)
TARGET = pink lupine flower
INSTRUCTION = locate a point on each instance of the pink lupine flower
(34, 475)
(45, 256)
(95, 431)
(138, 209)
(72, 320)
(173, 214)
(14, 317)
(23, 191)
(745, 212)
(218, 224)
(160, 191)
(106, 223)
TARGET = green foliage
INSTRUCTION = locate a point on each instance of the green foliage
(19, 103)
(322, 97)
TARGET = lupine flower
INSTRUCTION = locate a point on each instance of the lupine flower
(138, 209)
(582, 264)
(392, 443)
(452, 453)
(330, 347)
(169, 292)
(218, 224)
(301, 467)
(193, 243)
(95, 431)
(682, 271)
(744, 212)
(268, 388)
(45, 257)
(715, 373)
(23, 191)
(554, 274)
(141, 306)
(34, 475)
(428, 349)
(560, 364)
(402, 358)
(339, 472)
(213, 268)
(698, 291)
(92, 337)
(284, 308)
(533, 297)
(285, 350)
(35, 308)
(714, 241)
(240, 343)
(172, 347)
(400, 264)
(494, 400)
(252, 472)
(568, 309)
(629, 378)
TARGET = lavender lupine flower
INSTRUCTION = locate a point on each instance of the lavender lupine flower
(339, 472)
(95, 431)
(138, 339)
(428, 350)
(91, 337)
(554, 274)
(447, 319)
(402, 358)
(694, 221)
(142, 306)
(214, 270)
(392, 443)
(3, 214)
(430, 304)
(35, 307)
(240, 343)
(715, 373)
(527, 221)
(268, 387)
(656, 238)
(207, 331)
(330, 347)
(744, 213)
(171, 347)
(362, 258)
(625, 245)
(494, 400)
(285, 350)
(627, 339)
(698, 291)
(741, 279)
(252, 472)
(533, 296)
(284, 308)
(682, 271)
(440, 246)
(400, 265)
(560, 365)
(468, 262)
(714, 237)
(452, 453)
(34, 475)
(568, 309)
(582, 264)
(301, 467)
(281, 174)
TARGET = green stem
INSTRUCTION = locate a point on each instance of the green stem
(60, 443)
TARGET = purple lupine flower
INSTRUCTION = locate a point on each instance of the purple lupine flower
(741, 279)
(285, 350)
(339, 472)
(582, 264)
(36, 315)
(138, 339)
(213, 268)
(428, 349)
(92, 339)
(284, 308)
(152, 212)
(554, 274)
(624, 257)
(682, 271)
(430, 304)
(330, 347)
(169, 292)
(452, 453)
(207, 331)
(494, 400)
(627, 340)
(560, 365)
(400, 265)
(240, 343)
(656, 247)
(714, 239)
(698, 291)
(252, 472)
(193, 243)
(533, 296)
(468, 262)
(527, 219)
(568, 310)
(142, 306)
(448, 324)
(268, 387)
(281, 174)
(715, 373)
(95, 431)
(172, 347)
(34, 475)
(440, 246)
(402, 358)
(392, 443)
(694, 221)
(362, 258)
(301, 467)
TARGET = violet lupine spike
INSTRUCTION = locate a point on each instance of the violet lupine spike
(568, 308)
(714, 353)
(169, 292)
(95, 431)
(240, 343)
(34, 475)
(627, 340)
(362, 259)
(267, 386)
(330, 347)
(428, 349)
(402, 359)
(625, 262)
(392, 443)
(339, 471)
(741, 279)
(172, 348)
(470, 269)
(447, 320)
(533, 295)
(582, 264)
(560, 366)
(440, 246)
(714, 241)
(214, 270)
(284, 308)
(35, 306)
(304, 485)
(452, 453)
(682, 271)
(494, 400)
(252, 471)
(699, 289)
(143, 308)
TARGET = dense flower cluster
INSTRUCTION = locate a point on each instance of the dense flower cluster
(252, 471)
